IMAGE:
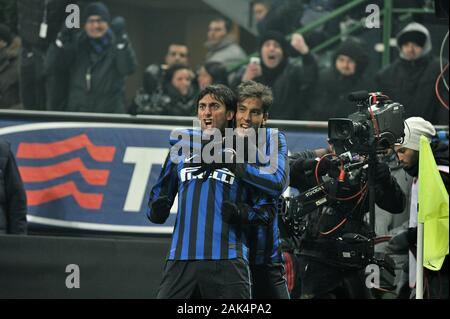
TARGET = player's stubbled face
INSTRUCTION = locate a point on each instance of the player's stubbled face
(212, 113)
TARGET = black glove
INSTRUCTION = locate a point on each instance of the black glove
(412, 236)
(65, 37)
(226, 161)
(235, 214)
(382, 174)
(160, 210)
(325, 166)
(118, 25)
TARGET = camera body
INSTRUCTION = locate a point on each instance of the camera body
(378, 125)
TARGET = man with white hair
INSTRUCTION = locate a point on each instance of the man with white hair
(408, 155)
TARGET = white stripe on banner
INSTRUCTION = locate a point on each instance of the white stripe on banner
(100, 227)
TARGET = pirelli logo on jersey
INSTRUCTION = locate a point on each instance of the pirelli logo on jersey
(221, 175)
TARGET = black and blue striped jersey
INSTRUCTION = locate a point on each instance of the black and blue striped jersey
(273, 177)
(264, 240)
(199, 232)
(267, 182)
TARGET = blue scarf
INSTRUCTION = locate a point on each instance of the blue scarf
(101, 44)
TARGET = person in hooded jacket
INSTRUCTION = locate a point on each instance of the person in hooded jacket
(345, 75)
(411, 79)
(291, 80)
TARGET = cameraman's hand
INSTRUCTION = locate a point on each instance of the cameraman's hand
(326, 166)
(160, 210)
(382, 174)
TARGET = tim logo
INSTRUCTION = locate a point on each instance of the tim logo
(46, 174)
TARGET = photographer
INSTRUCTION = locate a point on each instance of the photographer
(323, 273)
(338, 190)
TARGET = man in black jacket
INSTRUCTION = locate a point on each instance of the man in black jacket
(411, 79)
(98, 59)
(345, 75)
(291, 82)
(13, 203)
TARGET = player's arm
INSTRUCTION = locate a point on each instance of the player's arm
(261, 212)
(271, 179)
(163, 193)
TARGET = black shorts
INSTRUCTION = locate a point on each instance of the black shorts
(269, 282)
(206, 279)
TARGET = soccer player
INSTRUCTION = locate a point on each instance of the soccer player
(209, 255)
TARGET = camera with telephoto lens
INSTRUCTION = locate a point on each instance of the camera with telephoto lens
(378, 124)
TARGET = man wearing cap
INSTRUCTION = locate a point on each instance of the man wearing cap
(411, 79)
(291, 82)
(9, 70)
(98, 59)
(408, 155)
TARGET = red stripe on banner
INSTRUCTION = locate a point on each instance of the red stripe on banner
(289, 271)
(46, 173)
(51, 150)
(84, 200)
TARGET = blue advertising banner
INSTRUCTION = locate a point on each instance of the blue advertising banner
(97, 176)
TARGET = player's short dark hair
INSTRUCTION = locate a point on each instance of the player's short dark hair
(222, 93)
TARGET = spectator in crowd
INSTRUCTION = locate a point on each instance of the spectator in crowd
(38, 24)
(9, 69)
(408, 155)
(411, 79)
(291, 83)
(260, 9)
(287, 16)
(212, 73)
(98, 59)
(8, 14)
(178, 95)
(13, 202)
(345, 75)
(221, 46)
(154, 74)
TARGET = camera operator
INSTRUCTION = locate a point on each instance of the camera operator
(324, 272)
